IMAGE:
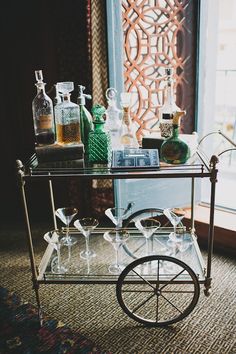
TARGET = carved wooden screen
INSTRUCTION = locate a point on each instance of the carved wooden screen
(158, 34)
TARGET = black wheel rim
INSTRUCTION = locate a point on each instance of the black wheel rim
(163, 300)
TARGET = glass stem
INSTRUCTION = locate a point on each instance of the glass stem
(87, 243)
(149, 246)
(69, 253)
(117, 257)
(67, 232)
(59, 257)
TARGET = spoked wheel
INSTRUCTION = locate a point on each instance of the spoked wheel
(157, 290)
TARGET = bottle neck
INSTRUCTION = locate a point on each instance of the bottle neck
(66, 97)
(98, 126)
(126, 116)
(170, 100)
(175, 132)
(40, 87)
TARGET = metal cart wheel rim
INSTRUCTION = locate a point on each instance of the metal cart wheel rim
(157, 323)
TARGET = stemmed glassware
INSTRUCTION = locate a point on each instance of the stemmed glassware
(148, 227)
(174, 216)
(54, 239)
(86, 226)
(66, 215)
(117, 238)
(176, 240)
(117, 215)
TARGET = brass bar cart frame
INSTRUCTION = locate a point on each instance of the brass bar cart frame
(204, 168)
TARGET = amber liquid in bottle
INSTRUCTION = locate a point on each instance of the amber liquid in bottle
(68, 133)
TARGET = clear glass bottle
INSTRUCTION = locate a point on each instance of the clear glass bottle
(174, 150)
(99, 142)
(42, 108)
(86, 120)
(168, 108)
(113, 118)
(128, 137)
(67, 116)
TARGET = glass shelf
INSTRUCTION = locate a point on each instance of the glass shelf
(96, 271)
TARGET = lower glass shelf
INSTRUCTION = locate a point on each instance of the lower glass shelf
(96, 269)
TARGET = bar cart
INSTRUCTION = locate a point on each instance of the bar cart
(158, 289)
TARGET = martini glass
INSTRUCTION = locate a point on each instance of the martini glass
(117, 215)
(86, 226)
(148, 227)
(66, 215)
(54, 239)
(174, 216)
(117, 238)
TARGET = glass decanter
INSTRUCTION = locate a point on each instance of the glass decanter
(99, 142)
(174, 150)
(67, 116)
(42, 108)
(128, 137)
(169, 107)
(113, 119)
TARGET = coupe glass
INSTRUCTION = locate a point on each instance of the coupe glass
(117, 238)
(54, 239)
(66, 215)
(86, 226)
(148, 227)
(117, 215)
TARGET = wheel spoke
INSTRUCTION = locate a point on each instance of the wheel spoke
(137, 291)
(157, 309)
(158, 267)
(171, 303)
(146, 281)
(172, 279)
(143, 303)
(179, 291)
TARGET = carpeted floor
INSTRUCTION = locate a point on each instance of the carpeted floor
(94, 311)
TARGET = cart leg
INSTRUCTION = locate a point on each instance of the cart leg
(213, 179)
(34, 271)
(193, 207)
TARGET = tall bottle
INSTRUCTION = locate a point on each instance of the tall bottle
(67, 116)
(99, 142)
(128, 137)
(169, 107)
(42, 108)
(113, 118)
(86, 120)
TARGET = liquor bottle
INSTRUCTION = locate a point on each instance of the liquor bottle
(57, 99)
(168, 108)
(99, 142)
(113, 118)
(42, 108)
(67, 116)
(173, 149)
(128, 137)
(86, 120)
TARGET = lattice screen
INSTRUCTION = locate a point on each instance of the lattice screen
(158, 34)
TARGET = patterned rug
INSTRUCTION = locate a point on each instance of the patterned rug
(20, 332)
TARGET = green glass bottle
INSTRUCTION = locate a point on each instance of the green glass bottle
(99, 141)
(174, 150)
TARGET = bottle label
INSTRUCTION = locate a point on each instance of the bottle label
(45, 121)
(166, 129)
(126, 118)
